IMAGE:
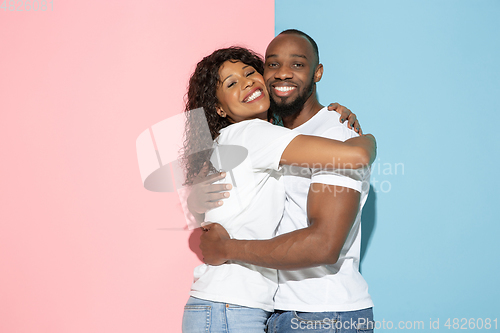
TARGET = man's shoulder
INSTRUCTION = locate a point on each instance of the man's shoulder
(327, 124)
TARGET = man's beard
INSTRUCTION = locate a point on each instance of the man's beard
(285, 110)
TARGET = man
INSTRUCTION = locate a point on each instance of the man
(318, 244)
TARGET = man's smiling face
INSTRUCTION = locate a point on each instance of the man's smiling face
(290, 73)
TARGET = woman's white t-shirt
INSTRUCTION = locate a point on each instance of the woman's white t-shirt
(249, 152)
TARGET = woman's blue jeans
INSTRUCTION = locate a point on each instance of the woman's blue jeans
(215, 317)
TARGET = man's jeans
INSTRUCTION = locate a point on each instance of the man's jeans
(215, 317)
(332, 322)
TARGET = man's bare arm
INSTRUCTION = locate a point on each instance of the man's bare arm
(332, 211)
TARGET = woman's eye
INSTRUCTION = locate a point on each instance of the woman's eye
(231, 84)
(250, 73)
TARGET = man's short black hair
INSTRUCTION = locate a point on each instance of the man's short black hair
(303, 34)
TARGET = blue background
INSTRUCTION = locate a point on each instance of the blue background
(424, 77)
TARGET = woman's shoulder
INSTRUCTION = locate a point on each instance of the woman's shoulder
(248, 122)
(244, 125)
(251, 131)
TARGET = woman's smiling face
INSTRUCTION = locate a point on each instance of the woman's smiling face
(241, 93)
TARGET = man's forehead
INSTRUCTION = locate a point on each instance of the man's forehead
(289, 45)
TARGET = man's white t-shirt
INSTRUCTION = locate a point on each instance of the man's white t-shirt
(249, 152)
(338, 287)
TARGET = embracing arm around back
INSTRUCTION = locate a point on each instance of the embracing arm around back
(332, 211)
(317, 152)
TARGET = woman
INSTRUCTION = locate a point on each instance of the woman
(228, 84)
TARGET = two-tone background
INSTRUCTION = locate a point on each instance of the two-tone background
(85, 248)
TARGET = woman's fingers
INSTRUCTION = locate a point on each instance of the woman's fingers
(351, 120)
(217, 196)
(212, 188)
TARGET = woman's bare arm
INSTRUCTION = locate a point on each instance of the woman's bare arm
(317, 152)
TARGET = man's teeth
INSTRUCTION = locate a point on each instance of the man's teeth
(256, 94)
(283, 89)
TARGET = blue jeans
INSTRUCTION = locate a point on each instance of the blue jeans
(215, 317)
(332, 322)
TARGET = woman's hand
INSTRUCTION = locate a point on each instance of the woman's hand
(205, 195)
(345, 113)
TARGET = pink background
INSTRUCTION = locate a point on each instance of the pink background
(83, 246)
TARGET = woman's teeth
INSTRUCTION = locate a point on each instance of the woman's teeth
(253, 96)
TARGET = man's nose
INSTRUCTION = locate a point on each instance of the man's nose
(283, 73)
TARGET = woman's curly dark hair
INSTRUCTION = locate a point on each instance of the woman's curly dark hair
(202, 94)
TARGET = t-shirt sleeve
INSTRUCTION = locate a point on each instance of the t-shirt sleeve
(265, 143)
(341, 177)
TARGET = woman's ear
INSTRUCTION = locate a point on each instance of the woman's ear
(221, 112)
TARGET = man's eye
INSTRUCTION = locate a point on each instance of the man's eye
(272, 65)
(298, 65)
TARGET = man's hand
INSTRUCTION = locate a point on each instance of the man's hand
(345, 113)
(212, 242)
(204, 194)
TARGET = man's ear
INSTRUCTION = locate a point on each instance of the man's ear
(221, 112)
(318, 73)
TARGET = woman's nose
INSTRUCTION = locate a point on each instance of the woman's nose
(248, 83)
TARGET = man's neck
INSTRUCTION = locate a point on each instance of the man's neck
(311, 107)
